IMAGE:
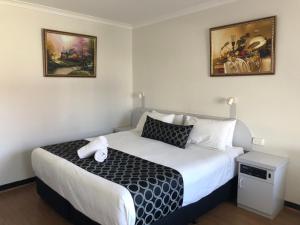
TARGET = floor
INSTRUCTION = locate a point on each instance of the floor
(22, 206)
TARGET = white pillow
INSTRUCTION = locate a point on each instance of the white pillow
(167, 118)
(211, 133)
(229, 138)
(178, 119)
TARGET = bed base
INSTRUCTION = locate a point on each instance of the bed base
(182, 216)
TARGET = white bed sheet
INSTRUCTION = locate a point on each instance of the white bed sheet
(203, 171)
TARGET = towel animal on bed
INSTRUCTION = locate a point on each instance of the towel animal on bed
(97, 147)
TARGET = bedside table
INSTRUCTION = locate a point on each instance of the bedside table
(120, 129)
(261, 183)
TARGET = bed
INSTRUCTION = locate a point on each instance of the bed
(85, 198)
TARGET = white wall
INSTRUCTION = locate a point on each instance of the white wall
(35, 110)
(171, 65)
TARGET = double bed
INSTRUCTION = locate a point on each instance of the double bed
(87, 198)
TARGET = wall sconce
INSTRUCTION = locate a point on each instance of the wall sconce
(141, 96)
(232, 102)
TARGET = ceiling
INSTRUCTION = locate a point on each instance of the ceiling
(132, 12)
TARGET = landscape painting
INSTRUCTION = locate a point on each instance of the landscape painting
(69, 54)
(246, 48)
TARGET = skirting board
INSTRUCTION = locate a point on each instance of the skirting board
(16, 183)
(292, 205)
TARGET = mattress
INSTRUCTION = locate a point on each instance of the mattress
(203, 171)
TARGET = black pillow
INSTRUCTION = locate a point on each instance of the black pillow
(166, 132)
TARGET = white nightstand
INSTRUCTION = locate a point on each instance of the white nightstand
(261, 183)
(120, 129)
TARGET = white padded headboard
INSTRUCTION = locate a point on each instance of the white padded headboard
(242, 136)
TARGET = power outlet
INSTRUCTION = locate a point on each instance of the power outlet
(258, 141)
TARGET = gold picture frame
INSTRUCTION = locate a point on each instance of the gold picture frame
(69, 54)
(246, 48)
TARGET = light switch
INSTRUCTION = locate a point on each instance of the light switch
(258, 141)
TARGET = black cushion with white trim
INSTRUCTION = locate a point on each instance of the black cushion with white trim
(172, 134)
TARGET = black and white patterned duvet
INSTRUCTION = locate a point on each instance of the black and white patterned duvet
(156, 190)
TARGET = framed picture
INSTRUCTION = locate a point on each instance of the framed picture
(69, 54)
(246, 48)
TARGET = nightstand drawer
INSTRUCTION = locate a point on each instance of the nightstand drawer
(256, 173)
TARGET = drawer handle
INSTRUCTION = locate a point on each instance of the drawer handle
(241, 183)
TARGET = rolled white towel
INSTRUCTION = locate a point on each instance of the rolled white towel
(103, 141)
(101, 155)
(89, 149)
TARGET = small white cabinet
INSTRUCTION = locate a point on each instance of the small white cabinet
(261, 183)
